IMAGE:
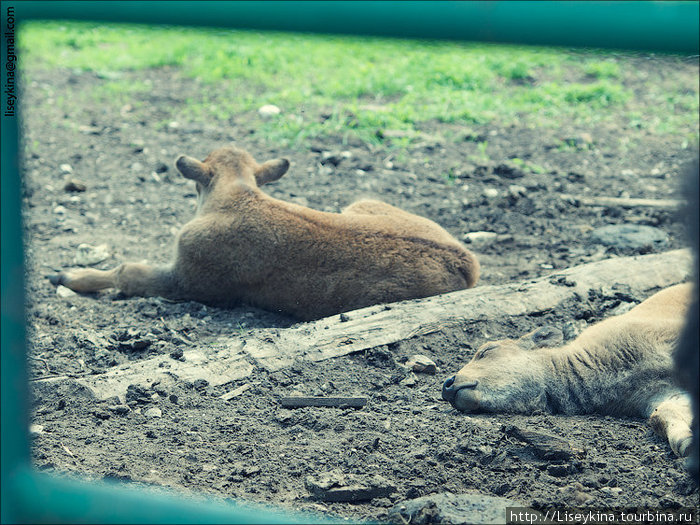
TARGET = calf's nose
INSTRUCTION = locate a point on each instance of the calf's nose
(448, 391)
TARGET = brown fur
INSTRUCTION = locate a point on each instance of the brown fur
(621, 366)
(245, 247)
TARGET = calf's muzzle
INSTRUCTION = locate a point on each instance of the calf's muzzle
(450, 390)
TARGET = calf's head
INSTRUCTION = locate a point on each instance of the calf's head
(504, 376)
(228, 165)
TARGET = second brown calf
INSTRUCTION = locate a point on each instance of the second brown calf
(245, 247)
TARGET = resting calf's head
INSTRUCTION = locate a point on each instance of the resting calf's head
(228, 165)
(503, 376)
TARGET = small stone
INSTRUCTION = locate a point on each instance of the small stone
(66, 169)
(153, 412)
(174, 124)
(420, 363)
(508, 171)
(337, 487)
(60, 210)
(629, 236)
(136, 166)
(101, 414)
(515, 190)
(73, 185)
(452, 508)
(90, 130)
(87, 255)
(64, 292)
(200, 384)
(161, 167)
(558, 471)
(611, 491)
(119, 409)
(479, 237)
(269, 110)
(334, 158)
(490, 193)
(409, 380)
(35, 430)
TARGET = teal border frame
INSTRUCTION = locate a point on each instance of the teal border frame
(29, 496)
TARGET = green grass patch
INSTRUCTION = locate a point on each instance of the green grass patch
(369, 84)
(602, 69)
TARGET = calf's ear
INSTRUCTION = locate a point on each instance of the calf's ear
(271, 171)
(543, 337)
(193, 169)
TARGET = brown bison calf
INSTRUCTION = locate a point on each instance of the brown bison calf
(620, 367)
(244, 247)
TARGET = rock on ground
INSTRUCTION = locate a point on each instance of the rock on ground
(452, 508)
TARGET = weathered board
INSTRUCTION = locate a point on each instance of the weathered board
(374, 326)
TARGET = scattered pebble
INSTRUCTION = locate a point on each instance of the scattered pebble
(337, 486)
(409, 380)
(153, 412)
(269, 110)
(515, 190)
(420, 363)
(60, 210)
(64, 292)
(119, 409)
(74, 185)
(334, 158)
(586, 137)
(87, 255)
(479, 237)
(611, 491)
(490, 193)
(451, 508)
(508, 171)
(66, 169)
(90, 130)
(629, 236)
(35, 430)
(558, 471)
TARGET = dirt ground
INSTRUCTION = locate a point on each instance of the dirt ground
(250, 447)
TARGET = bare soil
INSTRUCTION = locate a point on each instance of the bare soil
(252, 448)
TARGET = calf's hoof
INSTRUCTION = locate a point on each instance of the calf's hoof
(682, 447)
(56, 279)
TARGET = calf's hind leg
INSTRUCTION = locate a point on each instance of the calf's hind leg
(671, 419)
(128, 278)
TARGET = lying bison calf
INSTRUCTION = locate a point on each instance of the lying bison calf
(244, 247)
(622, 366)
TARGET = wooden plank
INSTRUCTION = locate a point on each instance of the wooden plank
(220, 363)
(379, 325)
(335, 402)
